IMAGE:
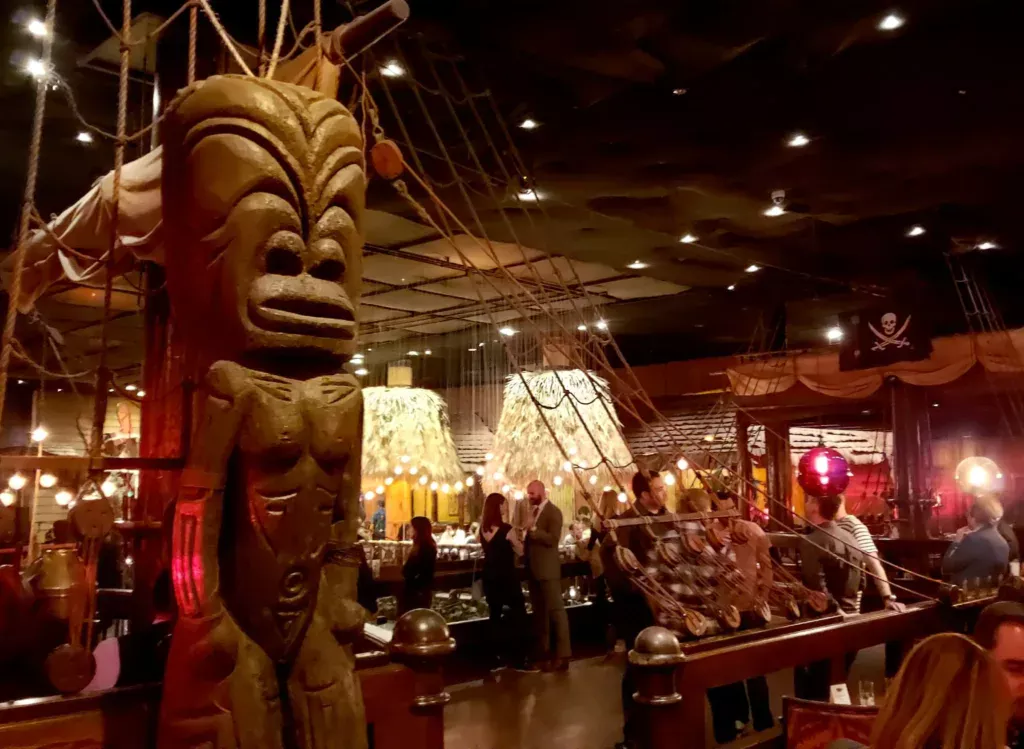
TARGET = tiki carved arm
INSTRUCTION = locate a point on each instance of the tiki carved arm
(338, 597)
(219, 408)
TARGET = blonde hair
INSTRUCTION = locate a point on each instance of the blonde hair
(609, 505)
(949, 694)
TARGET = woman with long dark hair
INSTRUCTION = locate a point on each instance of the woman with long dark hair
(501, 585)
(418, 569)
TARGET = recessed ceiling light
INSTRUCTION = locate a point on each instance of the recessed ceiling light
(637, 265)
(601, 325)
(581, 328)
(428, 352)
(414, 353)
(529, 196)
(472, 349)
(37, 28)
(362, 372)
(529, 124)
(731, 287)
(798, 140)
(891, 22)
(688, 239)
(752, 268)
(392, 69)
(131, 388)
(987, 246)
(915, 231)
(834, 334)
(935, 405)
(507, 332)
(775, 210)
(678, 91)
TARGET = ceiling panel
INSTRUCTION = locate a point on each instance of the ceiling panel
(475, 253)
(441, 326)
(398, 271)
(637, 288)
(368, 313)
(412, 301)
(473, 287)
(549, 270)
(387, 229)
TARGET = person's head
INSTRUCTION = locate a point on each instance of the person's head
(380, 504)
(422, 531)
(827, 508)
(985, 511)
(491, 516)
(1000, 630)
(649, 489)
(610, 506)
(949, 694)
(536, 492)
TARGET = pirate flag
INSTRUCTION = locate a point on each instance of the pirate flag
(883, 335)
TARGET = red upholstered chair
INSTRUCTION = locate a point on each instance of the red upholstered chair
(814, 725)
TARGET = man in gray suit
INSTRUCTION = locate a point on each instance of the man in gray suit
(978, 552)
(544, 532)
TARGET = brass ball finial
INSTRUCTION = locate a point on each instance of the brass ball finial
(421, 633)
(656, 641)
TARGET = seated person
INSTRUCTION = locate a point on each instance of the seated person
(978, 551)
(830, 559)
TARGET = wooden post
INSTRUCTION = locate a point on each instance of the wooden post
(421, 641)
(655, 657)
(780, 475)
(908, 471)
(746, 469)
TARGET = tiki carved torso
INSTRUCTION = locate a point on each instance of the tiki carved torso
(263, 200)
(293, 457)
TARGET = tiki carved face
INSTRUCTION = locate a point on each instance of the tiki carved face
(263, 195)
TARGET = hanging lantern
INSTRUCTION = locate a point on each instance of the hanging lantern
(823, 472)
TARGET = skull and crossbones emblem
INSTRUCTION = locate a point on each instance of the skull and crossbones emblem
(889, 335)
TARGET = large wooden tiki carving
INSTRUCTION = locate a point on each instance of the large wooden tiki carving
(263, 194)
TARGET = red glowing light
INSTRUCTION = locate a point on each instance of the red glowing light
(823, 472)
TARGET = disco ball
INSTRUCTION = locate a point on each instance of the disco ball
(823, 472)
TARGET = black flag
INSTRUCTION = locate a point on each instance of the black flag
(885, 334)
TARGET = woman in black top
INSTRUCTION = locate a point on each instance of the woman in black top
(501, 585)
(418, 569)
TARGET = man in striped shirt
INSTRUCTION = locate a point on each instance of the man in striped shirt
(852, 525)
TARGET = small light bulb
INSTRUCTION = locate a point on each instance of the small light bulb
(37, 29)
(369, 495)
(423, 480)
(414, 353)
(128, 561)
(36, 68)
(489, 456)
(915, 231)
(688, 239)
(39, 434)
(572, 450)
(389, 481)
(428, 352)
(131, 388)
(47, 480)
(709, 438)
(433, 486)
(507, 332)
(752, 268)
(731, 287)
(497, 476)
(414, 470)
(891, 22)
(798, 140)
(458, 486)
(637, 265)
(775, 210)
(480, 471)
(518, 495)
(7, 498)
(84, 136)
(405, 459)
(399, 470)
(834, 334)
(17, 482)
(470, 481)
(557, 480)
(581, 328)
(142, 393)
(361, 372)
(670, 479)
(445, 488)
(529, 124)
(988, 246)
(380, 490)
(392, 69)
(505, 489)
(108, 487)
(601, 325)
(63, 498)
(567, 466)
(623, 498)
(682, 464)
(592, 480)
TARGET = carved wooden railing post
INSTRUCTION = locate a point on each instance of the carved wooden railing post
(655, 657)
(421, 641)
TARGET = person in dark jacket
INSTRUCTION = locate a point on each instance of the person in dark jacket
(502, 590)
(978, 551)
(418, 569)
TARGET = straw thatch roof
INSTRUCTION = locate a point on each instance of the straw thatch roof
(524, 448)
(407, 428)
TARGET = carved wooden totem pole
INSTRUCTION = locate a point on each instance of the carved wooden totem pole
(263, 194)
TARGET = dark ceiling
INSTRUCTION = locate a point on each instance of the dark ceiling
(661, 118)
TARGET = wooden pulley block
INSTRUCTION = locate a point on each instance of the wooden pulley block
(817, 602)
(8, 523)
(70, 669)
(729, 617)
(695, 624)
(715, 538)
(626, 560)
(706, 571)
(92, 518)
(694, 544)
(759, 614)
(790, 608)
(387, 159)
(669, 555)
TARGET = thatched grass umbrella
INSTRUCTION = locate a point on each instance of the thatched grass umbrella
(524, 448)
(406, 433)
